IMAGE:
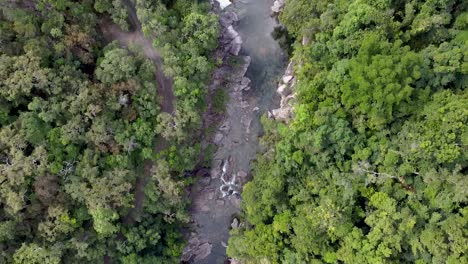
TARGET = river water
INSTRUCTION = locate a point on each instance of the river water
(212, 212)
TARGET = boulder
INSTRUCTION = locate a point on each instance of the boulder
(234, 261)
(277, 6)
(202, 252)
(242, 174)
(231, 33)
(287, 78)
(224, 3)
(290, 68)
(282, 90)
(228, 18)
(235, 223)
(236, 45)
(218, 138)
(245, 82)
(239, 69)
(284, 114)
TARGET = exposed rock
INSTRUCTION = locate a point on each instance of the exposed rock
(123, 99)
(242, 174)
(238, 72)
(205, 181)
(231, 32)
(245, 82)
(284, 114)
(210, 195)
(215, 171)
(225, 126)
(202, 252)
(287, 78)
(290, 68)
(235, 223)
(224, 3)
(218, 138)
(235, 200)
(205, 208)
(228, 18)
(223, 244)
(220, 202)
(255, 109)
(244, 104)
(191, 249)
(234, 261)
(282, 90)
(236, 46)
(242, 85)
(277, 6)
(194, 240)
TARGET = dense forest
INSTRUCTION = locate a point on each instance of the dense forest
(93, 159)
(373, 167)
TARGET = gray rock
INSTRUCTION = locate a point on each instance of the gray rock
(245, 82)
(220, 202)
(239, 69)
(123, 99)
(244, 104)
(290, 68)
(226, 126)
(283, 114)
(205, 181)
(235, 200)
(234, 261)
(282, 89)
(235, 223)
(236, 46)
(277, 6)
(287, 78)
(231, 33)
(202, 252)
(210, 195)
(228, 18)
(218, 138)
(242, 174)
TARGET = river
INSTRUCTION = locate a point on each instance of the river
(212, 212)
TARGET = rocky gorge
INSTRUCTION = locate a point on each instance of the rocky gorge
(250, 61)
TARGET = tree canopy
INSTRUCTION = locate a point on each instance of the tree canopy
(372, 169)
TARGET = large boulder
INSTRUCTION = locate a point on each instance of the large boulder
(202, 252)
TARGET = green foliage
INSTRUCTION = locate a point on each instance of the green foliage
(117, 65)
(372, 169)
(219, 100)
(79, 117)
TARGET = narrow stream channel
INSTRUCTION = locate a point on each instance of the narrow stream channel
(212, 212)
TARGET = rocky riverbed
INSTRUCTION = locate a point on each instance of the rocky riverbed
(252, 64)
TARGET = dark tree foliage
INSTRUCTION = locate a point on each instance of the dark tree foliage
(372, 169)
